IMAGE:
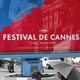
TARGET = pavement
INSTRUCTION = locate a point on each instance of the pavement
(4, 71)
(49, 71)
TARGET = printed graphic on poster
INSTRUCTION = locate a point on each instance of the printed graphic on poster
(39, 25)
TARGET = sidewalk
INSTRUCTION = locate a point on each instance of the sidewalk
(4, 71)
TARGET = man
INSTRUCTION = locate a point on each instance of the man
(11, 66)
(36, 75)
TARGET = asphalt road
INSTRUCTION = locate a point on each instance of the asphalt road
(4, 71)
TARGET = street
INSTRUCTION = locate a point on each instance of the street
(4, 71)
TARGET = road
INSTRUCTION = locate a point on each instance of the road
(4, 71)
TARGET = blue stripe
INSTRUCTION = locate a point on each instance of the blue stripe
(39, 55)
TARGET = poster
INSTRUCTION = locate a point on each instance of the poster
(30, 28)
(39, 26)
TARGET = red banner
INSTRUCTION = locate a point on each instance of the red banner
(53, 27)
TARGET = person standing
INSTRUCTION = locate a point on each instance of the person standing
(36, 75)
(11, 66)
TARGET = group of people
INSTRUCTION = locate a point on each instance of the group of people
(36, 75)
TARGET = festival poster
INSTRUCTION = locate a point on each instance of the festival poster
(39, 26)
